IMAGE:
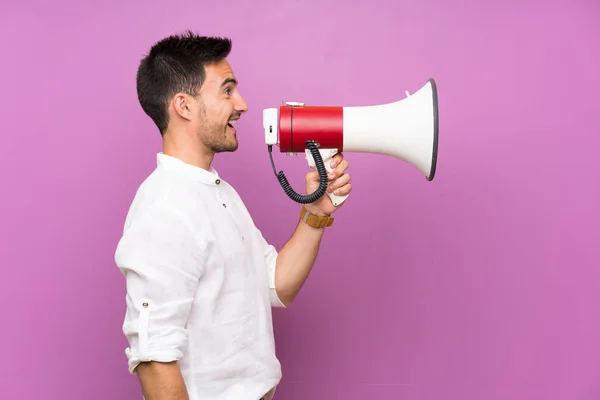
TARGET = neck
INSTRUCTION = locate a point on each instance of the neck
(187, 150)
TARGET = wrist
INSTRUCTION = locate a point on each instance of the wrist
(319, 221)
(315, 211)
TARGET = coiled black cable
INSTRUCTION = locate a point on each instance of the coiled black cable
(287, 188)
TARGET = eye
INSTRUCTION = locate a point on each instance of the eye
(228, 91)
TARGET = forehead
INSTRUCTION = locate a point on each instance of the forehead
(219, 73)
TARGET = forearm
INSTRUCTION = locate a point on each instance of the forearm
(295, 261)
(162, 381)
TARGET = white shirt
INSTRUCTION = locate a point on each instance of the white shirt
(200, 284)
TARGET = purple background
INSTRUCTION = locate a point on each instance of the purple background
(481, 285)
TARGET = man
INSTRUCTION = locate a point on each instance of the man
(200, 277)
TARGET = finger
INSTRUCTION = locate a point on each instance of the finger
(338, 183)
(339, 170)
(344, 190)
(313, 176)
(336, 160)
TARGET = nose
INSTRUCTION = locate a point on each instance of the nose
(240, 104)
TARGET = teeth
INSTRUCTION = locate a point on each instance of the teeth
(233, 122)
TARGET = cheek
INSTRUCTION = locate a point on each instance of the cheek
(227, 108)
(218, 112)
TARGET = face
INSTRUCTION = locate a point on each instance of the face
(217, 108)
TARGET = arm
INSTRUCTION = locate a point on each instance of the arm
(162, 381)
(297, 257)
(295, 261)
(161, 260)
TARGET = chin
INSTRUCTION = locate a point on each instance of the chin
(235, 144)
(226, 148)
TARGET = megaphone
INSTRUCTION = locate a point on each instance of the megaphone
(406, 129)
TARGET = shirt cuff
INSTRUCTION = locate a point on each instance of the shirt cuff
(275, 300)
(152, 338)
(135, 358)
(271, 260)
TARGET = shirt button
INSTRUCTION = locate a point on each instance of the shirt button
(218, 181)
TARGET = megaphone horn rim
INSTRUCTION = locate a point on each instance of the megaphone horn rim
(436, 123)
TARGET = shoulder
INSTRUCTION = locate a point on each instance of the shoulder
(156, 224)
(163, 191)
(161, 207)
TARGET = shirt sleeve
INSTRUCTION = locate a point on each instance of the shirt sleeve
(270, 254)
(162, 261)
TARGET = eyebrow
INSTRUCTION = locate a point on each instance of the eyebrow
(229, 80)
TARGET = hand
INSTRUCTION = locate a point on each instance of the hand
(339, 184)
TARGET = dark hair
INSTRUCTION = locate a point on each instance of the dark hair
(175, 64)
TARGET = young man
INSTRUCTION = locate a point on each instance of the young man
(201, 279)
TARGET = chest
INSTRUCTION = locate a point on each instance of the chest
(234, 238)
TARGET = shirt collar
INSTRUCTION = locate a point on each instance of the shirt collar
(210, 177)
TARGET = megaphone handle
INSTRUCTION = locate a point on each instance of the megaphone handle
(326, 155)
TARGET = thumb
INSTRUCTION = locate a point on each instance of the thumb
(313, 176)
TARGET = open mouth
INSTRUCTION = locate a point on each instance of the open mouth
(231, 123)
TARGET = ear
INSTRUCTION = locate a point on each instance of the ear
(182, 105)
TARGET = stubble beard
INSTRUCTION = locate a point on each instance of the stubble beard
(217, 140)
(215, 137)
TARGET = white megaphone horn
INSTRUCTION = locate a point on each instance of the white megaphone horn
(406, 129)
